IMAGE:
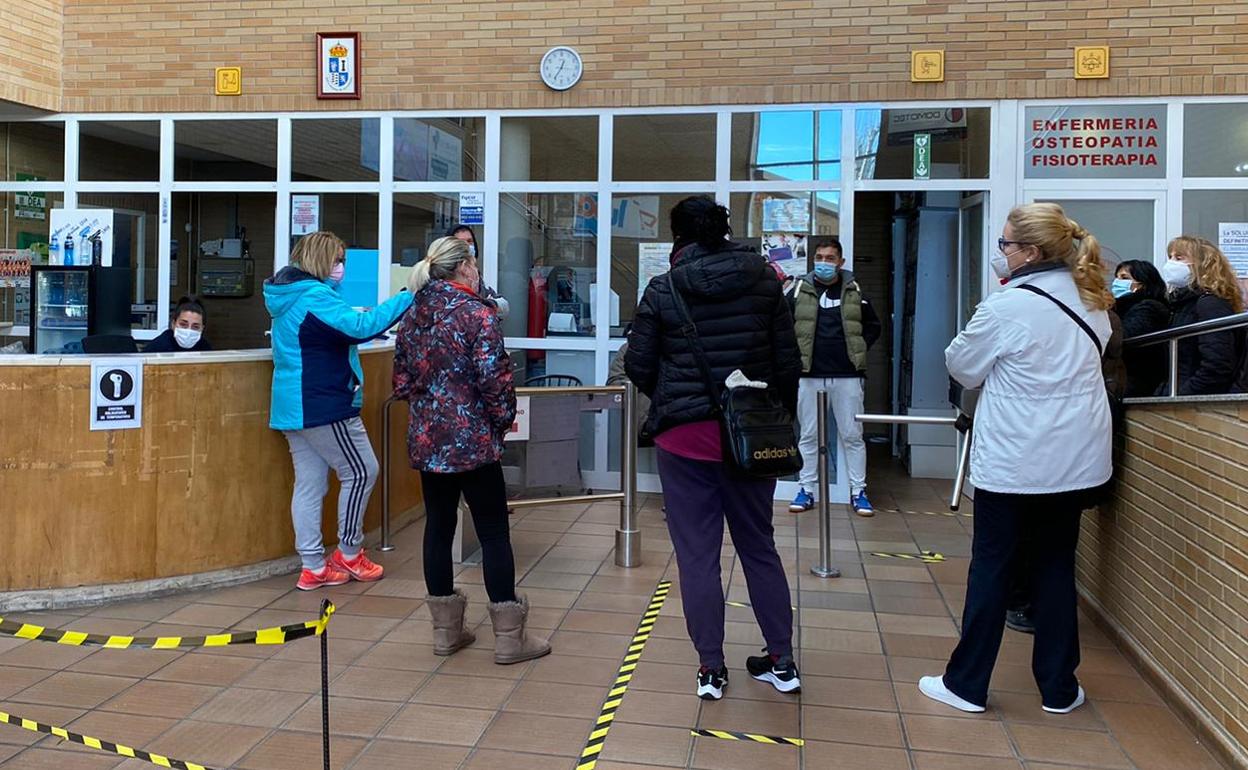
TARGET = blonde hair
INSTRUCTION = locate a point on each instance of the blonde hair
(1211, 270)
(1062, 239)
(444, 255)
(316, 253)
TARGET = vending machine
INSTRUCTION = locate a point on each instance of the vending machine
(68, 303)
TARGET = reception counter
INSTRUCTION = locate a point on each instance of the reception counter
(202, 486)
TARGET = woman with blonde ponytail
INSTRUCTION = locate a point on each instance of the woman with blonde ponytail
(1041, 444)
(1203, 287)
(450, 365)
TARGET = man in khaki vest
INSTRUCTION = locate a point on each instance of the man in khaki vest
(835, 326)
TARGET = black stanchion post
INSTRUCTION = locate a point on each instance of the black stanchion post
(325, 684)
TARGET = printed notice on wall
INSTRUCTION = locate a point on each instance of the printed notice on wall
(305, 214)
(652, 259)
(116, 393)
(1233, 240)
(1095, 142)
(520, 425)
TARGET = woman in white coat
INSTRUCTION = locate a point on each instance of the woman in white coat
(1042, 441)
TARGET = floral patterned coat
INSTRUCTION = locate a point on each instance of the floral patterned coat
(450, 365)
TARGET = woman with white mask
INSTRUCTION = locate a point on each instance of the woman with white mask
(1202, 287)
(186, 332)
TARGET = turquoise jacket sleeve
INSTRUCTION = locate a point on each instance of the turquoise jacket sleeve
(359, 326)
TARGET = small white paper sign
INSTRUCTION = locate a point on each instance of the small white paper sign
(520, 426)
(116, 393)
(305, 214)
(1233, 241)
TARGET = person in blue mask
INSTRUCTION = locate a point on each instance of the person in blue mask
(318, 391)
(835, 326)
(1140, 301)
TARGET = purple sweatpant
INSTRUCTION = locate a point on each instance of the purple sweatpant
(699, 497)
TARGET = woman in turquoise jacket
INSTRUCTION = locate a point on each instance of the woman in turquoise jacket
(317, 395)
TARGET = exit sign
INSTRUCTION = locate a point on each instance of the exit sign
(922, 156)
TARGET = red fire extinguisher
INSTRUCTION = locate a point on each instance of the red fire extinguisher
(537, 310)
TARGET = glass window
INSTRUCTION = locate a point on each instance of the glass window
(1215, 140)
(32, 152)
(785, 227)
(222, 251)
(135, 228)
(829, 123)
(773, 145)
(664, 148)
(550, 149)
(1207, 212)
(547, 258)
(350, 216)
(121, 151)
(884, 142)
(419, 220)
(1124, 228)
(1101, 141)
(24, 241)
(343, 150)
(430, 149)
(641, 247)
(225, 150)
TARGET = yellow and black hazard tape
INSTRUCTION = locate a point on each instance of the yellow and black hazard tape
(597, 737)
(927, 557)
(278, 635)
(727, 735)
(96, 743)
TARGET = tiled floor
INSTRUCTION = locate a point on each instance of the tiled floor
(864, 640)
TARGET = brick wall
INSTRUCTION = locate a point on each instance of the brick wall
(30, 53)
(1168, 561)
(155, 56)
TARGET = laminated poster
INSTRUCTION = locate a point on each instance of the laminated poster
(652, 259)
(1233, 241)
(786, 215)
(785, 247)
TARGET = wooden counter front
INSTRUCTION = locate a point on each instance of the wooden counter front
(203, 485)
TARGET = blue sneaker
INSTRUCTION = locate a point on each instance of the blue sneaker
(862, 506)
(803, 502)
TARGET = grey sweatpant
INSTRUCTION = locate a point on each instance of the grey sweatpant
(344, 447)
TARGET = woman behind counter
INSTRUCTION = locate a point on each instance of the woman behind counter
(186, 332)
(317, 396)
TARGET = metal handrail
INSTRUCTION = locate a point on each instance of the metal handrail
(627, 536)
(1172, 336)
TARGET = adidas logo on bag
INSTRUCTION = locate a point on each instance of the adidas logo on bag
(775, 453)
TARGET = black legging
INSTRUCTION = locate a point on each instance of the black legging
(486, 494)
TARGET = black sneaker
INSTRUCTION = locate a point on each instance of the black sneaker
(781, 672)
(711, 683)
(1020, 621)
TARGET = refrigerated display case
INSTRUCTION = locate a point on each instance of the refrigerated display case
(68, 304)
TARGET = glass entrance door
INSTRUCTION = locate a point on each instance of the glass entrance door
(1128, 225)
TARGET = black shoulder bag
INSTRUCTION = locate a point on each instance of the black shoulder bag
(759, 435)
(1103, 493)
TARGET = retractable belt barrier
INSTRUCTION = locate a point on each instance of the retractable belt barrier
(277, 635)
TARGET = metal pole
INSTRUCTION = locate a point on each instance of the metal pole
(905, 419)
(959, 479)
(628, 536)
(1174, 368)
(386, 545)
(824, 568)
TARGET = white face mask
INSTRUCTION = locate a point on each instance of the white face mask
(1000, 265)
(472, 250)
(186, 338)
(1176, 274)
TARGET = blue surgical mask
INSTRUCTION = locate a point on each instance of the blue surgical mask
(1121, 287)
(825, 271)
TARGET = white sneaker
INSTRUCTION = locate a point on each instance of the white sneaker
(934, 688)
(1079, 699)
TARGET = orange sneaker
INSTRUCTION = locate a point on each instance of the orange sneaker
(329, 575)
(360, 568)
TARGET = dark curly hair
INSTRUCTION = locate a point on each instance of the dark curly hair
(700, 219)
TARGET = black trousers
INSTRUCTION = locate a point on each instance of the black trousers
(1048, 528)
(486, 494)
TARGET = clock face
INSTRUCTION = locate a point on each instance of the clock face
(561, 68)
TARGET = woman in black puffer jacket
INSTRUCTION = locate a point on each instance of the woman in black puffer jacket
(743, 321)
(1140, 302)
(1203, 287)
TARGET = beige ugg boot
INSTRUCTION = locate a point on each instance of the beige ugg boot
(449, 633)
(512, 644)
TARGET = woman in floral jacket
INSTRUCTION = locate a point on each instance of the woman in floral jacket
(450, 365)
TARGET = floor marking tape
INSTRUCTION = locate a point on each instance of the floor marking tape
(606, 716)
(727, 735)
(97, 743)
(278, 635)
(927, 557)
(743, 604)
(963, 514)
